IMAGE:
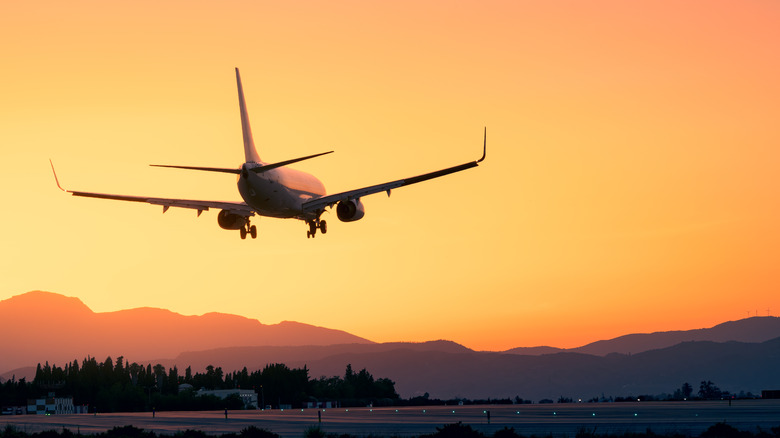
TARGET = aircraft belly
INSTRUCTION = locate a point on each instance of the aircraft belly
(269, 198)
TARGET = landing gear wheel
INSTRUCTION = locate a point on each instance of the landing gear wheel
(253, 231)
(243, 233)
(315, 225)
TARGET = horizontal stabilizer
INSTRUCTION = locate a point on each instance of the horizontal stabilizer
(266, 167)
(206, 169)
(259, 169)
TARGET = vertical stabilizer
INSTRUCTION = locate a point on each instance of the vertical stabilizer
(249, 144)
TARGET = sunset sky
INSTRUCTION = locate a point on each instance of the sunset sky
(631, 181)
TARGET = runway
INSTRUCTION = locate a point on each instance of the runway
(558, 420)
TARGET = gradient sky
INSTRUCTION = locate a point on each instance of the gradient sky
(630, 186)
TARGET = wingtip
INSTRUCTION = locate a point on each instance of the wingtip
(484, 147)
(56, 180)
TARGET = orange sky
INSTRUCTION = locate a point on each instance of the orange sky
(630, 184)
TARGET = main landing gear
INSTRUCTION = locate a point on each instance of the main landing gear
(249, 229)
(313, 225)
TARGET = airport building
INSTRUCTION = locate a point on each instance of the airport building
(248, 396)
(51, 405)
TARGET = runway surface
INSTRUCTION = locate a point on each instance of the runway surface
(689, 418)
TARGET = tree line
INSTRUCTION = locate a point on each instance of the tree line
(117, 386)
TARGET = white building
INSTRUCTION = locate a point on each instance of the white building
(51, 405)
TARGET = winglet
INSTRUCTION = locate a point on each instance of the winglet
(484, 147)
(55, 176)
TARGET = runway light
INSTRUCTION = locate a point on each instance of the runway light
(396, 410)
(635, 414)
(594, 414)
(423, 411)
(518, 412)
(555, 413)
(453, 412)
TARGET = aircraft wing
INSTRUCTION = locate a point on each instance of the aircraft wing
(319, 204)
(238, 208)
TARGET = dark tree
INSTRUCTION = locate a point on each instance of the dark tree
(686, 390)
(708, 390)
(118, 385)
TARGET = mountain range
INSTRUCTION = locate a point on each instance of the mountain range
(44, 326)
(736, 355)
(755, 329)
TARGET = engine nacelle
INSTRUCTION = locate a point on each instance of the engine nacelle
(230, 221)
(350, 211)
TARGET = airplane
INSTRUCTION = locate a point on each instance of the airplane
(274, 190)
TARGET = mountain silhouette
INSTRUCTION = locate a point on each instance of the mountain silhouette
(447, 370)
(59, 329)
(235, 358)
(755, 329)
(751, 330)
(733, 366)
(736, 355)
(731, 354)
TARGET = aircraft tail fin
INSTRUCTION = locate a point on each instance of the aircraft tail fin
(250, 152)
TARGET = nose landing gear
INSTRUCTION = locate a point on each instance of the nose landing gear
(314, 225)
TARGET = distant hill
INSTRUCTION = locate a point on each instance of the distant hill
(50, 327)
(448, 370)
(235, 358)
(755, 329)
(534, 351)
(732, 366)
(737, 355)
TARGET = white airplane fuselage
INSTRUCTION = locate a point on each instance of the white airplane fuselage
(280, 192)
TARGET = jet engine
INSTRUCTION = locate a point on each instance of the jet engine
(230, 221)
(350, 211)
